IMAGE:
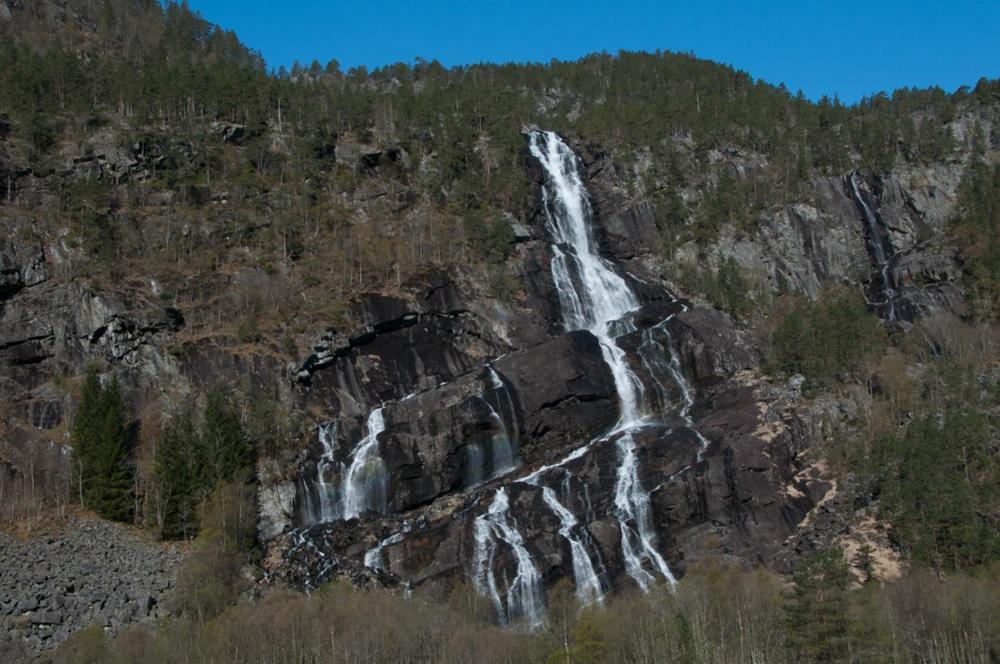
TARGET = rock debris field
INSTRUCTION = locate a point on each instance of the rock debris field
(89, 572)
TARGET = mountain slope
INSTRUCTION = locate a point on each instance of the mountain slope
(363, 264)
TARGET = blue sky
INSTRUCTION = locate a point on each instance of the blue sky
(821, 47)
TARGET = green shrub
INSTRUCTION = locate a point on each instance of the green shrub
(490, 237)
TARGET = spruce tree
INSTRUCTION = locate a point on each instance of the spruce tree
(86, 428)
(227, 452)
(864, 562)
(111, 486)
(101, 447)
(175, 482)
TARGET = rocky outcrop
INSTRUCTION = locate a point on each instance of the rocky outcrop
(741, 498)
(547, 398)
(722, 455)
(21, 266)
(88, 572)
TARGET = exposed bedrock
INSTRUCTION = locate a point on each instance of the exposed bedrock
(464, 445)
(741, 500)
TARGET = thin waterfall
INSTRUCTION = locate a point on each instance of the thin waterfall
(320, 497)
(475, 462)
(634, 519)
(365, 481)
(328, 439)
(502, 458)
(507, 417)
(877, 241)
(589, 588)
(373, 557)
(524, 597)
(498, 456)
(652, 352)
(345, 492)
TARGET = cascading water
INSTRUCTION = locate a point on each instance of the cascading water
(356, 488)
(501, 450)
(475, 464)
(634, 519)
(373, 557)
(595, 298)
(879, 247)
(505, 441)
(652, 351)
(498, 455)
(525, 598)
(322, 497)
(592, 297)
(588, 583)
(365, 480)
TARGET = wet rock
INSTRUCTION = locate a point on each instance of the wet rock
(711, 346)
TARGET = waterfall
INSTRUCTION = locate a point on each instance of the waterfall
(474, 463)
(652, 352)
(634, 519)
(594, 297)
(373, 557)
(588, 584)
(498, 456)
(505, 457)
(327, 434)
(355, 488)
(502, 458)
(524, 594)
(365, 481)
(877, 241)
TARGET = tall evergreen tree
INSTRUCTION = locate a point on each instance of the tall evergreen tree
(101, 447)
(111, 486)
(224, 445)
(864, 562)
(816, 611)
(175, 485)
(86, 431)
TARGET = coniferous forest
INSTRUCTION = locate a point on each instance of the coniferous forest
(204, 261)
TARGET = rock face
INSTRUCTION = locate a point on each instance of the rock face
(806, 246)
(515, 460)
(91, 572)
